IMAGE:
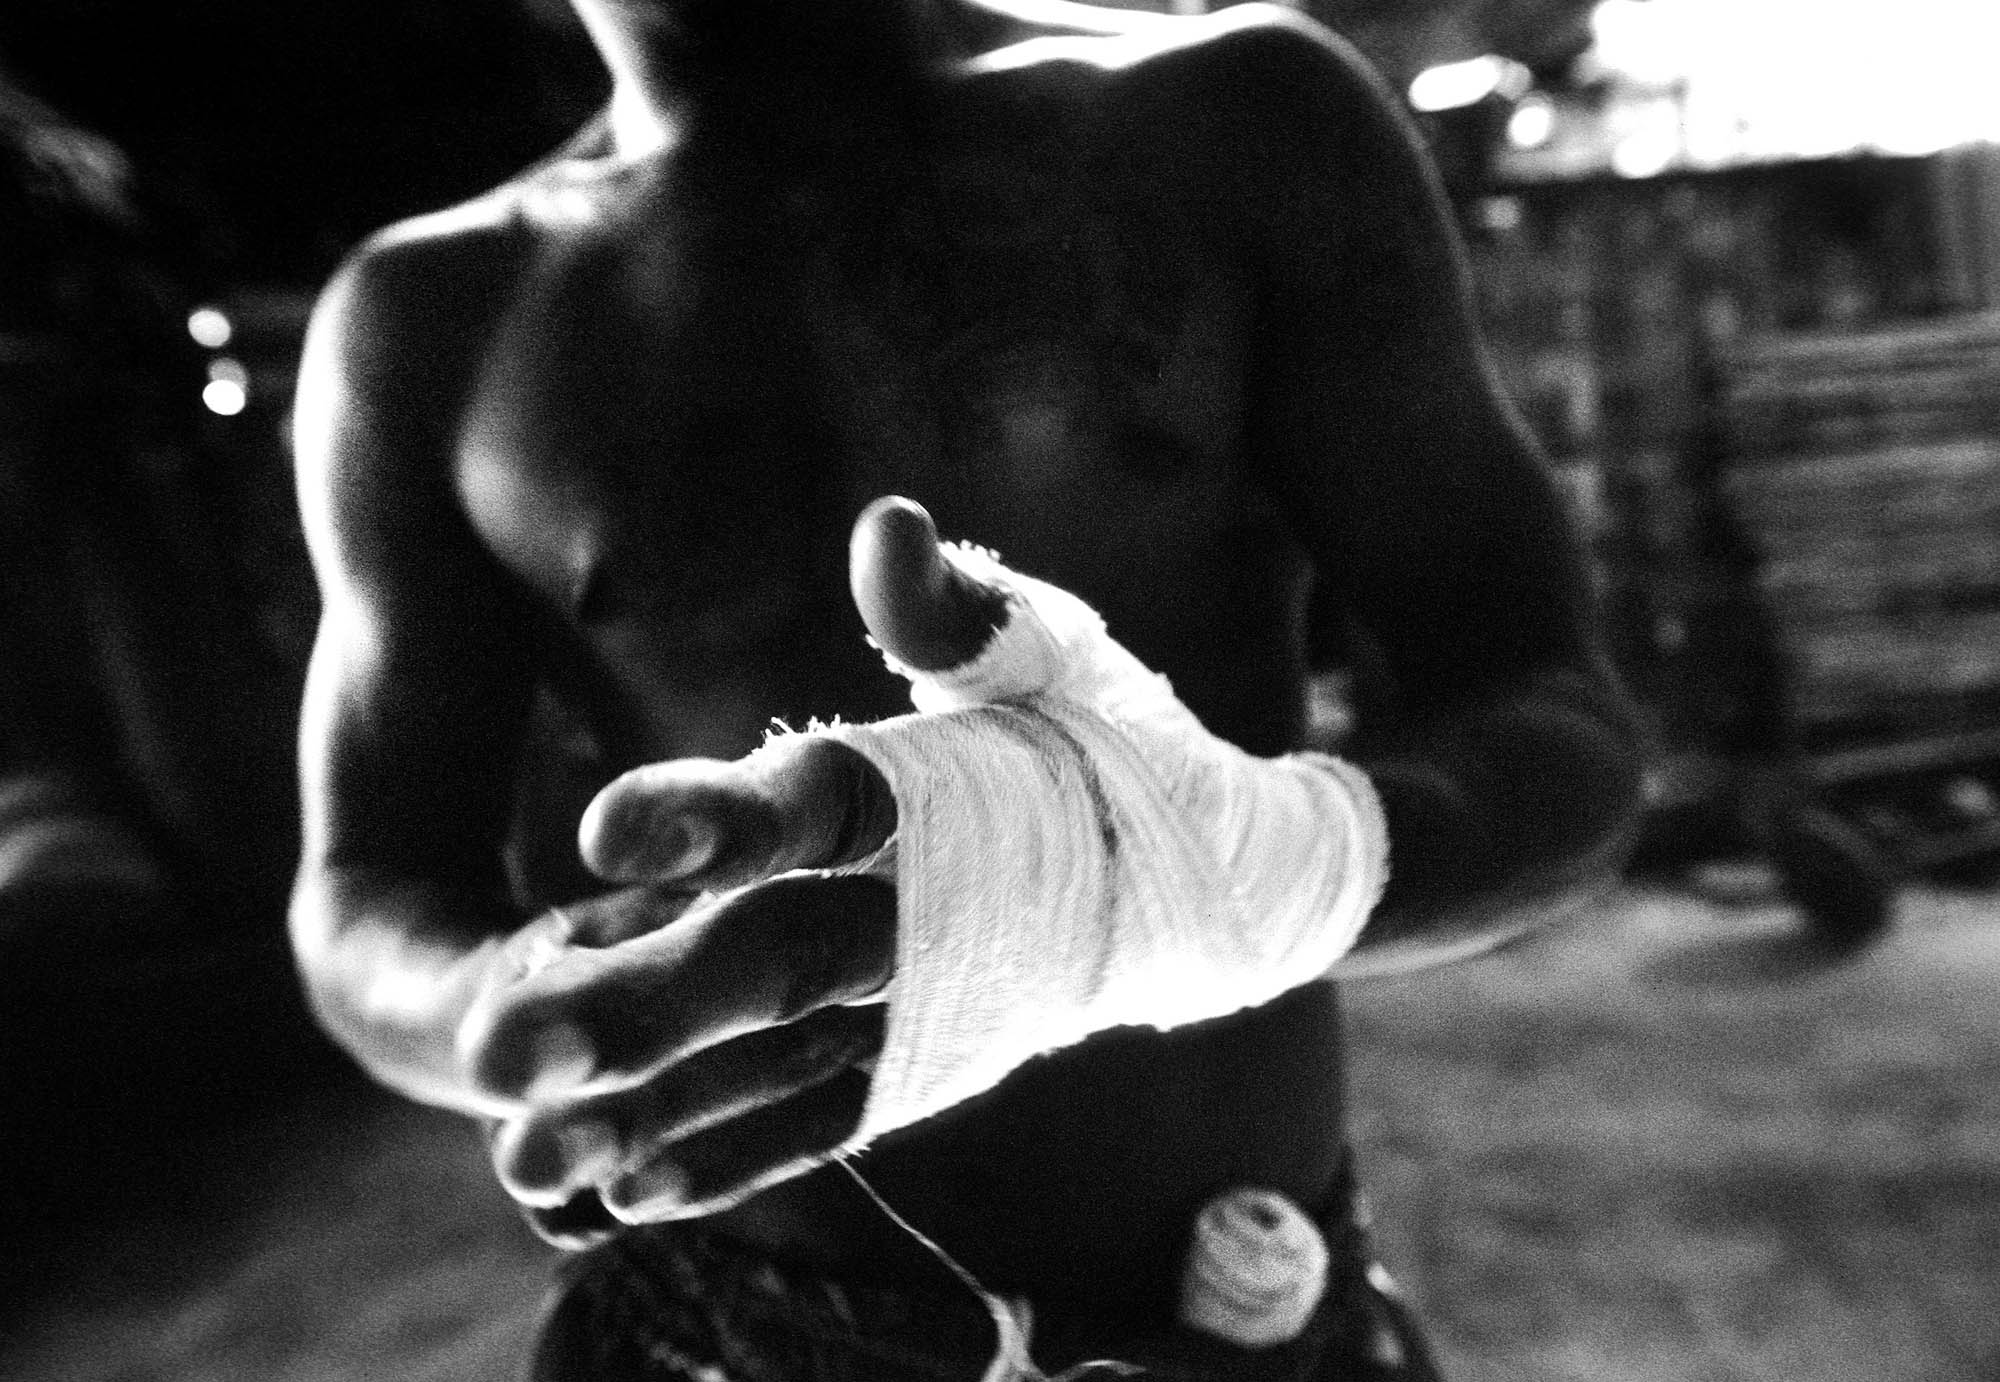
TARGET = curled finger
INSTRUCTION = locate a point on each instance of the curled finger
(722, 1166)
(601, 1020)
(550, 1156)
(579, 1223)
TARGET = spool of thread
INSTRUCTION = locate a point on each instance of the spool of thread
(1256, 1269)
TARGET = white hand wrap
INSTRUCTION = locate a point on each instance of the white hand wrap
(1075, 852)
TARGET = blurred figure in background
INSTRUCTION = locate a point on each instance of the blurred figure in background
(146, 780)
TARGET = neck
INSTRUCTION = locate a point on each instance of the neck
(802, 32)
(806, 65)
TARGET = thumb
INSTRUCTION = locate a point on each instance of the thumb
(925, 612)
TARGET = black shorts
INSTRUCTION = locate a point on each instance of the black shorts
(678, 1304)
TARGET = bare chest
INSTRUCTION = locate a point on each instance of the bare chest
(691, 399)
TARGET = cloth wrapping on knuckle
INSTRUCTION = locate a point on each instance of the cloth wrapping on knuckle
(1075, 852)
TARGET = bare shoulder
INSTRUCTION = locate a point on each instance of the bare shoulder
(1279, 80)
(394, 343)
(409, 287)
(414, 295)
(1258, 95)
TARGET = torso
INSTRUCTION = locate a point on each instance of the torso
(1015, 312)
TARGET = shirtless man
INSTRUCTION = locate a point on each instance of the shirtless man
(1166, 311)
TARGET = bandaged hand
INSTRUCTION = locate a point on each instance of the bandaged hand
(1075, 852)
(1070, 851)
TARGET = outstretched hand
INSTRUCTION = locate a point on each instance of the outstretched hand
(678, 1071)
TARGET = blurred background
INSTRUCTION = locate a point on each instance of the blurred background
(1739, 262)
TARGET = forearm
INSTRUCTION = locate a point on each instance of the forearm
(392, 966)
(1501, 814)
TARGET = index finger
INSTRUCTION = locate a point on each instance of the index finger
(802, 801)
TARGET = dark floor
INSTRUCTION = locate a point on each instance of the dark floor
(1666, 1142)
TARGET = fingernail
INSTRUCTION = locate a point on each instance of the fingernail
(588, 1143)
(651, 1191)
(537, 1162)
(624, 835)
(691, 846)
(583, 1222)
(548, 1160)
(563, 1058)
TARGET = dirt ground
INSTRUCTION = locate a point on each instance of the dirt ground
(1671, 1142)
(1666, 1141)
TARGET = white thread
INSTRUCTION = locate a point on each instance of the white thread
(1013, 1320)
(1075, 852)
(1256, 1269)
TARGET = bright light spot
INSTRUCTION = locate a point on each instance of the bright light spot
(210, 328)
(225, 397)
(228, 391)
(1532, 124)
(1644, 154)
(1647, 41)
(1457, 84)
(1775, 79)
